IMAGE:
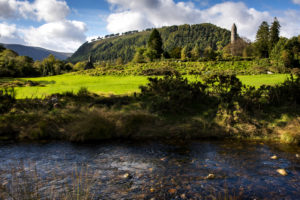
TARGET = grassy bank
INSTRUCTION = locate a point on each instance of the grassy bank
(170, 108)
(108, 84)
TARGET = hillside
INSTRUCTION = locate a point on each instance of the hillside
(174, 36)
(36, 53)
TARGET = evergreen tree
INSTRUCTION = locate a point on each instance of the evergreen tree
(209, 53)
(274, 33)
(262, 40)
(155, 43)
(185, 53)
(139, 56)
(196, 53)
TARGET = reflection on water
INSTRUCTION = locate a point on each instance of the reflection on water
(164, 171)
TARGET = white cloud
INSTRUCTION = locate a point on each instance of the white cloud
(8, 31)
(247, 19)
(7, 8)
(57, 33)
(50, 10)
(9, 34)
(129, 15)
(290, 23)
(60, 36)
(296, 2)
(47, 10)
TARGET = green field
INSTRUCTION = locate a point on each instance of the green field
(113, 84)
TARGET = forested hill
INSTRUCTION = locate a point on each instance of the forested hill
(174, 36)
(36, 53)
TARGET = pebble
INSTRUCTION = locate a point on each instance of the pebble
(210, 176)
(127, 175)
(282, 172)
(274, 157)
(172, 191)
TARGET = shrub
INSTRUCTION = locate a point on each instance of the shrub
(172, 94)
(7, 99)
(226, 87)
(83, 92)
(289, 91)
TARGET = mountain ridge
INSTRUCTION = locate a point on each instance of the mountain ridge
(36, 53)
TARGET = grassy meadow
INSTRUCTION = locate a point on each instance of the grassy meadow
(106, 85)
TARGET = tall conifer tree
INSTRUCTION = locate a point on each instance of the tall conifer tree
(155, 43)
(274, 33)
(262, 40)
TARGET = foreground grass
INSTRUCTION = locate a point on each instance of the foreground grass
(117, 85)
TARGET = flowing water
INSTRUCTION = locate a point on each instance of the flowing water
(154, 170)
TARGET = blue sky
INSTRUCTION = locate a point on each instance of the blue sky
(63, 25)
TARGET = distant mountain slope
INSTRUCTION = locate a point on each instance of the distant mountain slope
(36, 53)
(174, 36)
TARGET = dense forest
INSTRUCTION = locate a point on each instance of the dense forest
(173, 37)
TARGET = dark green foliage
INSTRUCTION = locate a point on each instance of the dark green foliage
(227, 88)
(155, 43)
(164, 71)
(1, 48)
(262, 40)
(176, 52)
(83, 92)
(274, 33)
(12, 65)
(209, 53)
(7, 99)
(139, 56)
(172, 94)
(287, 92)
(124, 47)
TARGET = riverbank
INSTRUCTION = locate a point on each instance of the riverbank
(166, 109)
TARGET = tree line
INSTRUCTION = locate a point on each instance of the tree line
(268, 44)
(13, 65)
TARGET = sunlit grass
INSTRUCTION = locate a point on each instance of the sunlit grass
(113, 84)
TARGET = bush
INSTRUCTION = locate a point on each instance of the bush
(7, 99)
(83, 92)
(227, 88)
(172, 94)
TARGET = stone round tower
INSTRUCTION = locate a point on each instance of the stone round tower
(234, 35)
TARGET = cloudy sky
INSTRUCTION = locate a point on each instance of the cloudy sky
(63, 25)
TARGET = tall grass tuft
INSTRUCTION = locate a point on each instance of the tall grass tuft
(26, 183)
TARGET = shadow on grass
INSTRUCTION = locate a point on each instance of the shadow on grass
(18, 82)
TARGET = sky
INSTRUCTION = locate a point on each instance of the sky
(64, 25)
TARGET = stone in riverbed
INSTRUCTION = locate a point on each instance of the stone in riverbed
(210, 176)
(274, 157)
(127, 175)
(282, 172)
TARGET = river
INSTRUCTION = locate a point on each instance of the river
(152, 170)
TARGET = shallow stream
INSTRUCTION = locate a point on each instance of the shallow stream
(154, 170)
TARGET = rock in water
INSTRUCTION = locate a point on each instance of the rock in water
(282, 172)
(210, 176)
(274, 157)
